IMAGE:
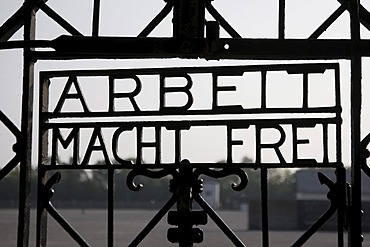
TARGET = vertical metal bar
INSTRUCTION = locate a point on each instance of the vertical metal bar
(338, 116)
(281, 19)
(111, 186)
(264, 206)
(96, 17)
(41, 221)
(188, 18)
(263, 89)
(355, 229)
(185, 203)
(305, 91)
(341, 171)
(341, 183)
(26, 134)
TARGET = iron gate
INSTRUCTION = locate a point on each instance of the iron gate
(189, 42)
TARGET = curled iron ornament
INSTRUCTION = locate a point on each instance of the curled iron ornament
(365, 153)
(48, 190)
(147, 173)
(224, 172)
(5, 170)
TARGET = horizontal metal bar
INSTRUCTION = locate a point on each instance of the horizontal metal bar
(73, 47)
(77, 47)
(20, 44)
(190, 165)
(187, 123)
(224, 110)
(291, 68)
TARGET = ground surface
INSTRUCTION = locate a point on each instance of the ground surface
(91, 224)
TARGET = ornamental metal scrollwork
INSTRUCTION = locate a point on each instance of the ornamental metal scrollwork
(139, 171)
(16, 147)
(224, 172)
(186, 187)
(365, 154)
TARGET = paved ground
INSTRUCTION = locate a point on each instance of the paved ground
(92, 226)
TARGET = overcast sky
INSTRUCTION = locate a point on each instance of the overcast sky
(252, 19)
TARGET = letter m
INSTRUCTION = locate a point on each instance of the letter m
(73, 136)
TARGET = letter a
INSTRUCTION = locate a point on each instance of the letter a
(66, 95)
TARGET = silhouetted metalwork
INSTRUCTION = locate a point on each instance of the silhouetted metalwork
(188, 41)
(185, 187)
(335, 195)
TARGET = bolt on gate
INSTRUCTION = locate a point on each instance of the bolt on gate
(104, 128)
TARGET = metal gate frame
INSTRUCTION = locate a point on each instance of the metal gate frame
(188, 41)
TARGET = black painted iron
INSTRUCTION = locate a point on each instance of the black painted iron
(193, 37)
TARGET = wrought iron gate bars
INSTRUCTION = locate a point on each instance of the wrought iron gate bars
(352, 49)
(47, 114)
(355, 229)
(45, 203)
(337, 196)
(17, 134)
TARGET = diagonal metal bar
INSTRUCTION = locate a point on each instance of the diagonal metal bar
(16, 132)
(316, 226)
(16, 21)
(46, 193)
(9, 124)
(328, 22)
(158, 19)
(58, 19)
(65, 225)
(333, 196)
(9, 167)
(17, 44)
(153, 222)
(228, 28)
(363, 13)
(219, 222)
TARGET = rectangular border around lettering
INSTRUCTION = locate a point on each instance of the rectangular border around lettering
(332, 117)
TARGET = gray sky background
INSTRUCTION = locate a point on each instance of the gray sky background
(252, 19)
